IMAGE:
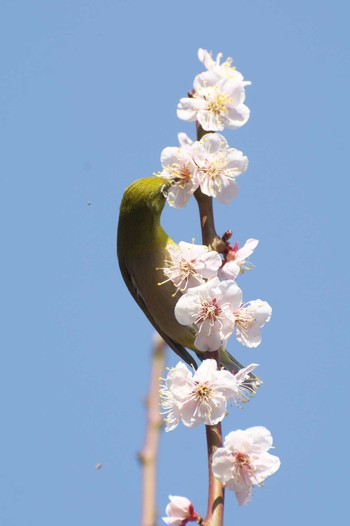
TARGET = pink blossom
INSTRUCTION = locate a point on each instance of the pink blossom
(244, 461)
(179, 511)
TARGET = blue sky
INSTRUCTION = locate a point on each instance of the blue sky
(88, 93)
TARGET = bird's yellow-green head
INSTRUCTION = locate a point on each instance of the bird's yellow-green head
(144, 197)
(140, 210)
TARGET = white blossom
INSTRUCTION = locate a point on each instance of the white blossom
(189, 264)
(202, 396)
(218, 166)
(180, 170)
(216, 102)
(179, 511)
(224, 70)
(209, 307)
(216, 309)
(244, 461)
(249, 319)
(236, 261)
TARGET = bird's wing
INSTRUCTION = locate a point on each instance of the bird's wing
(134, 291)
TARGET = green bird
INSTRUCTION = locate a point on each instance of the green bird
(141, 249)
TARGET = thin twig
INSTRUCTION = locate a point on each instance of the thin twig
(148, 455)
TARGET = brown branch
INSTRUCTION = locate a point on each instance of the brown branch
(206, 215)
(216, 493)
(216, 490)
(200, 131)
(148, 455)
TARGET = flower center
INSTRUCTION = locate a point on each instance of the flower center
(242, 460)
(243, 319)
(179, 172)
(214, 168)
(202, 392)
(209, 310)
(218, 103)
(186, 268)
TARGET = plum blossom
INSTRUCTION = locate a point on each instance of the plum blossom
(180, 170)
(209, 163)
(180, 511)
(218, 166)
(210, 308)
(249, 319)
(201, 396)
(244, 461)
(216, 309)
(224, 70)
(189, 264)
(236, 261)
(216, 102)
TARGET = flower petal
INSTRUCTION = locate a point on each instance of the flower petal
(247, 249)
(237, 117)
(228, 190)
(208, 341)
(187, 109)
(250, 337)
(230, 270)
